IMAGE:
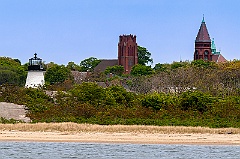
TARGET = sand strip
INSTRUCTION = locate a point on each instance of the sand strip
(71, 132)
(133, 138)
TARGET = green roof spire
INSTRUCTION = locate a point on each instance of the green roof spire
(213, 47)
(203, 21)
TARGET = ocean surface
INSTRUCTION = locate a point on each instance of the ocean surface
(55, 150)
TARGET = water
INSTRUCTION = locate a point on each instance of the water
(50, 150)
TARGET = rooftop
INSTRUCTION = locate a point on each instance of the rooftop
(203, 35)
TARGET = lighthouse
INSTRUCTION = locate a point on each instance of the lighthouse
(35, 77)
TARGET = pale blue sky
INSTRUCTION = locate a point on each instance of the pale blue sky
(73, 30)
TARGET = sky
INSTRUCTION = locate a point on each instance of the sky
(61, 31)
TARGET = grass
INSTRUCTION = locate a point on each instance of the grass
(74, 127)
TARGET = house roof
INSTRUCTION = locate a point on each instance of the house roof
(105, 63)
(218, 58)
(203, 35)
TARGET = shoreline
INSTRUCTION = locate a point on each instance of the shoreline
(121, 138)
(118, 134)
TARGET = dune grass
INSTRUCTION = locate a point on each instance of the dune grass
(75, 128)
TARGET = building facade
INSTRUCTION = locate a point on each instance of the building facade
(127, 52)
(203, 44)
(205, 48)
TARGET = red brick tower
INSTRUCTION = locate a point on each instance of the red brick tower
(127, 52)
(203, 44)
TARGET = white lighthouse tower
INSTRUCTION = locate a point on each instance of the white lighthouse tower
(35, 77)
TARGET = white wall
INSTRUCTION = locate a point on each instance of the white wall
(35, 79)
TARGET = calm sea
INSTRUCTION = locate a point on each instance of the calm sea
(50, 150)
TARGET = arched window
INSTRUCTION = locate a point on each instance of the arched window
(205, 52)
(196, 54)
(206, 55)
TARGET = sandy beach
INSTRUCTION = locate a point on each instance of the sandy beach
(71, 132)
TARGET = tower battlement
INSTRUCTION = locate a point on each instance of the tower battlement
(126, 38)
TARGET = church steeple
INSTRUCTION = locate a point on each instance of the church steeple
(203, 43)
(203, 35)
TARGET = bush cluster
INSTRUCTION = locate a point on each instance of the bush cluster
(90, 103)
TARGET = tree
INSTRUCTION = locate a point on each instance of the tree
(17, 60)
(8, 76)
(50, 64)
(57, 74)
(73, 67)
(12, 72)
(89, 64)
(161, 67)
(144, 56)
(141, 70)
(117, 70)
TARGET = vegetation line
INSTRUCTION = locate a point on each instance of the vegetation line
(197, 93)
(74, 127)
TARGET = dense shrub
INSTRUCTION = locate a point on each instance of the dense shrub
(37, 100)
(196, 100)
(98, 96)
(91, 103)
(203, 64)
(12, 94)
(158, 101)
(88, 92)
(121, 96)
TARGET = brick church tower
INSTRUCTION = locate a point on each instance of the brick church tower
(203, 44)
(127, 52)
